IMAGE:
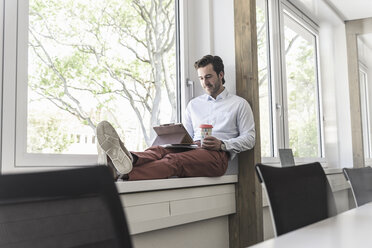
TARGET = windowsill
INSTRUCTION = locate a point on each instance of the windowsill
(298, 161)
(176, 183)
(276, 160)
(330, 171)
(163, 203)
(172, 183)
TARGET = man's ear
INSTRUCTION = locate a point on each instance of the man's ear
(221, 74)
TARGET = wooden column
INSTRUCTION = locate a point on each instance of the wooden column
(246, 226)
(355, 107)
(353, 29)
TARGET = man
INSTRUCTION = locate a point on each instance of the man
(233, 132)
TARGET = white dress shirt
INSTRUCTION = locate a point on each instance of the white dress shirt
(231, 117)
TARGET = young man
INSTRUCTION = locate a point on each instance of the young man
(233, 132)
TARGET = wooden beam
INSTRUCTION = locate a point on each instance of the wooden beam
(355, 107)
(353, 29)
(246, 226)
(359, 26)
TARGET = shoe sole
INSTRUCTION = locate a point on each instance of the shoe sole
(109, 141)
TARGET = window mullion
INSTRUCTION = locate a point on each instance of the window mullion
(283, 82)
(277, 74)
(319, 98)
(9, 82)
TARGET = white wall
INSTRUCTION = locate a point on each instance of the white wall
(210, 30)
(342, 98)
(335, 95)
(328, 86)
(224, 42)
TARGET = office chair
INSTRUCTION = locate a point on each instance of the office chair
(360, 180)
(297, 195)
(67, 208)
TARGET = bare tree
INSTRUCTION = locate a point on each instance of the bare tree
(121, 49)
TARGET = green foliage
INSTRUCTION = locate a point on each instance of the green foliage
(302, 100)
(85, 56)
(48, 135)
(301, 88)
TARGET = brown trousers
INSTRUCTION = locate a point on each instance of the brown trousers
(157, 162)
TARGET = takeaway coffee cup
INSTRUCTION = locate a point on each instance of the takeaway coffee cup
(205, 130)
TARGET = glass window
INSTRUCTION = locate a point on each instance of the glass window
(288, 81)
(302, 89)
(364, 104)
(98, 60)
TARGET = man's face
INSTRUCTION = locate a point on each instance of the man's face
(210, 81)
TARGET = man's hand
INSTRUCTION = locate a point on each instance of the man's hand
(211, 143)
(197, 143)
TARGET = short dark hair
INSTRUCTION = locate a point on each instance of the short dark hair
(216, 62)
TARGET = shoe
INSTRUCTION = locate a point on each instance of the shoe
(112, 168)
(114, 148)
(105, 160)
(115, 174)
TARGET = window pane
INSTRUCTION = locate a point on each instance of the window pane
(364, 104)
(302, 96)
(263, 80)
(99, 60)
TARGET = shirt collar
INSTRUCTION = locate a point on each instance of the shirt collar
(222, 95)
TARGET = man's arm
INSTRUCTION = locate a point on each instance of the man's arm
(188, 122)
(246, 126)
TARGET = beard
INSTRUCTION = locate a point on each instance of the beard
(213, 89)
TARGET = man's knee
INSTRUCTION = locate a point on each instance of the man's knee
(222, 170)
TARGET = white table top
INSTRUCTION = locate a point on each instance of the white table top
(352, 228)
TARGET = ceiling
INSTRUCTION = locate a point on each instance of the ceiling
(343, 9)
(351, 9)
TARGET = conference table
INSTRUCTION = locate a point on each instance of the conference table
(352, 228)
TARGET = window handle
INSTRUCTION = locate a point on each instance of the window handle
(190, 84)
(278, 107)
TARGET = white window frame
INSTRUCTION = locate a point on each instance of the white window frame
(365, 109)
(14, 105)
(276, 47)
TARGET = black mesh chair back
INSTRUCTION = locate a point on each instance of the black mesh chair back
(298, 195)
(67, 208)
(360, 180)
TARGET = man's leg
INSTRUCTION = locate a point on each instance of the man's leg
(151, 154)
(157, 162)
(114, 153)
(109, 141)
(192, 163)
